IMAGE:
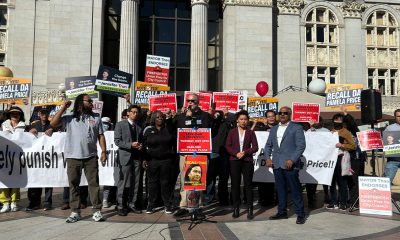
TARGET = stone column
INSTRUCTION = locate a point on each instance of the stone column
(198, 47)
(128, 48)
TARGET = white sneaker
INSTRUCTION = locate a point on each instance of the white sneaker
(105, 204)
(5, 208)
(74, 217)
(14, 207)
(98, 217)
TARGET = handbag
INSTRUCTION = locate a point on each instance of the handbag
(346, 164)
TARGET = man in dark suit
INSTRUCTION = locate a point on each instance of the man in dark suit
(286, 143)
(128, 138)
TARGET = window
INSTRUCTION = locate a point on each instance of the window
(382, 52)
(322, 45)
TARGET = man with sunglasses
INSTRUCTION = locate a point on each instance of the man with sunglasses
(286, 143)
(192, 117)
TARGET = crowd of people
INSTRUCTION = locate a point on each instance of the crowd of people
(147, 146)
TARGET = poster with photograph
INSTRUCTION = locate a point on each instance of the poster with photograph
(112, 81)
(195, 172)
(391, 143)
(242, 98)
(157, 69)
(75, 86)
(16, 90)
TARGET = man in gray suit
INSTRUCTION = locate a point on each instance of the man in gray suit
(128, 138)
(286, 143)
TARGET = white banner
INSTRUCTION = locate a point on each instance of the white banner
(319, 159)
(27, 161)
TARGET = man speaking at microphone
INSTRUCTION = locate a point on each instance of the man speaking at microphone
(193, 117)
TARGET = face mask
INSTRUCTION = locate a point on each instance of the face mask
(337, 126)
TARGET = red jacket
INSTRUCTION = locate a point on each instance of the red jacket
(250, 145)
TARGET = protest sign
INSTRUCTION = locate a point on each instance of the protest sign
(98, 107)
(195, 172)
(391, 142)
(194, 140)
(112, 81)
(257, 106)
(15, 90)
(75, 86)
(318, 160)
(375, 196)
(242, 98)
(144, 90)
(205, 99)
(305, 112)
(347, 95)
(163, 102)
(369, 140)
(47, 97)
(157, 69)
(226, 101)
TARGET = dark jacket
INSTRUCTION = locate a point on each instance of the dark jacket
(250, 145)
(198, 119)
(159, 144)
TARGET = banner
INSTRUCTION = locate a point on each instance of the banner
(375, 196)
(163, 102)
(348, 95)
(257, 106)
(369, 140)
(75, 86)
(226, 101)
(144, 90)
(194, 140)
(318, 160)
(205, 99)
(195, 172)
(27, 161)
(304, 112)
(242, 98)
(48, 97)
(112, 81)
(157, 69)
(15, 89)
(391, 142)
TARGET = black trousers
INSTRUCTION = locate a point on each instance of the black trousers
(352, 181)
(239, 167)
(158, 173)
(34, 196)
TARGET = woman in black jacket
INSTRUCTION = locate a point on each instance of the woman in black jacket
(159, 144)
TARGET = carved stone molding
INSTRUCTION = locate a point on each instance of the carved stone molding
(352, 8)
(290, 6)
(254, 3)
(194, 2)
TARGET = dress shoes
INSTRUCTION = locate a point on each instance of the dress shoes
(279, 216)
(83, 206)
(65, 206)
(235, 213)
(135, 210)
(122, 211)
(250, 215)
(300, 220)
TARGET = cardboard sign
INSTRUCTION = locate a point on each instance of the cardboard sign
(375, 196)
(163, 102)
(144, 90)
(195, 172)
(369, 140)
(304, 112)
(226, 101)
(257, 106)
(15, 89)
(157, 69)
(75, 86)
(194, 140)
(242, 98)
(391, 142)
(347, 95)
(205, 99)
(112, 81)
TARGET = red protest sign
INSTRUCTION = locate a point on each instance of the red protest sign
(226, 101)
(204, 100)
(157, 69)
(194, 140)
(305, 112)
(163, 102)
(369, 140)
(195, 172)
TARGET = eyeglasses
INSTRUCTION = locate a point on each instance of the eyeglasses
(191, 100)
(283, 113)
(89, 101)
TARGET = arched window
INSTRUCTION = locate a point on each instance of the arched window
(382, 52)
(322, 45)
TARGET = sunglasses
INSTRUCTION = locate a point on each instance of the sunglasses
(191, 100)
(283, 113)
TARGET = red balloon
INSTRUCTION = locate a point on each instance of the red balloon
(262, 88)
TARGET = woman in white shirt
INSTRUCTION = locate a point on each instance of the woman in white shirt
(15, 122)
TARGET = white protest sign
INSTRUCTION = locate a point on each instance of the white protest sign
(375, 196)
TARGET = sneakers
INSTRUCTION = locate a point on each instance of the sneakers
(98, 217)
(332, 206)
(74, 217)
(105, 204)
(14, 207)
(150, 210)
(343, 207)
(168, 210)
(31, 208)
(5, 208)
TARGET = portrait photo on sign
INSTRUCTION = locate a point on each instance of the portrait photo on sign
(195, 173)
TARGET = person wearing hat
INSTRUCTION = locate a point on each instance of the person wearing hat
(15, 122)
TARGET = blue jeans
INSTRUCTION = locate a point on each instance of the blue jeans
(391, 169)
